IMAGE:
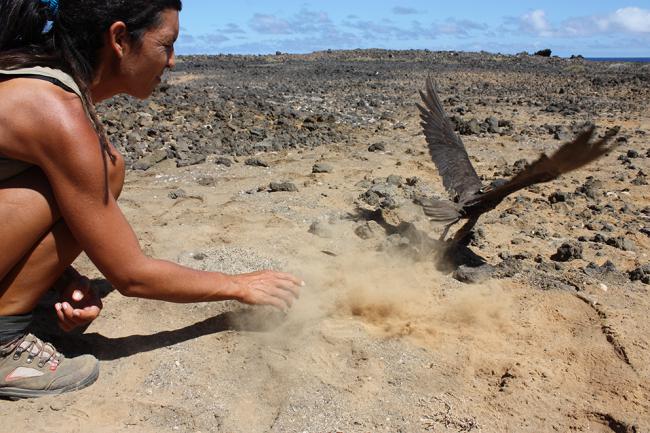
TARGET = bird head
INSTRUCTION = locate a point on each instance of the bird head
(496, 183)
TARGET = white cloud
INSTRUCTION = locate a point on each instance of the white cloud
(632, 19)
(624, 20)
(536, 22)
(307, 29)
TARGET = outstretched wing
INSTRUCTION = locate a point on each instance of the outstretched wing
(570, 156)
(446, 148)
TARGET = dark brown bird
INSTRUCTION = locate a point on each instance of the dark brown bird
(469, 197)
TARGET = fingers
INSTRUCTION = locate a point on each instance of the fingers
(59, 313)
(289, 282)
(295, 280)
(278, 289)
(285, 281)
(77, 289)
(285, 296)
(70, 318)
(77, 295)
(284, 286)
(275, 302)
(79, 303)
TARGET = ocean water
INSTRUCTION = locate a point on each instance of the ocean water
(619, 59)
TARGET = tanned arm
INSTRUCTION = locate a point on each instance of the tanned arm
(67, 150)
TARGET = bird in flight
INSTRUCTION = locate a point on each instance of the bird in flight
(469, 197)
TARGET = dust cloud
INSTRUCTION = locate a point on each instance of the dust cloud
(393, 296)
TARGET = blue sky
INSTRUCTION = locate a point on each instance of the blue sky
(595, 28)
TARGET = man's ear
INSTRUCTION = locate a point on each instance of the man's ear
(118, 38)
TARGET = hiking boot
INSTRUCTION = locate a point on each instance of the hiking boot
(30, 367)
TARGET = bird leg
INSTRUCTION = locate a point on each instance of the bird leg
(462, 236)
(444, 233)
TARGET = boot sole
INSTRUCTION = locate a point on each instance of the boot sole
(19, 393)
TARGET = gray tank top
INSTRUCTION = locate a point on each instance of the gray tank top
(11, 167)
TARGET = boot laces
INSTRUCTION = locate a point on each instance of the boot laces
(36, 348)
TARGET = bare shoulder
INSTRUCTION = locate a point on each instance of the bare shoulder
(38, 119)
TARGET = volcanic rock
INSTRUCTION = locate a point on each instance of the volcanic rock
(568, 251)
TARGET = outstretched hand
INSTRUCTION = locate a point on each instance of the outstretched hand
(78, 303)
(278, 289)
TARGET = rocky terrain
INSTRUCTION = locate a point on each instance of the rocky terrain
(315, 164)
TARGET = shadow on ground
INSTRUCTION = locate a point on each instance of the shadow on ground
(107, 348)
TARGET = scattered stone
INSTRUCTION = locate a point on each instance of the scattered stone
(394, 179)
(395, 242)
(206, 181)
(519, 165)
(562, 134)
(256, 162)
(505, 255)
(568, 251)
(176, 194)
(599, 238)
(642, 273)
(624, 159)
(508, 268)
(322, 167)
(473, 274)
(592, 188)
(608, 266)
(321, 229)
(368, 230)
(608, 227)
(145, 119)
(193, 159)
(283, 186)
(371, 198)
(563, 107)
(477, 237)
(381, 194)
(222, 160)
(622, 243)
(471, 127)
(540, 233)
(559, 197)
(148, 161)
(493, 125)
(506, 124)
(592, 269)
(377, 147)
(641, 179)
(199, 256)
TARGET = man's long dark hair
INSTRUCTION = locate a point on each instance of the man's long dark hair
(74, 40)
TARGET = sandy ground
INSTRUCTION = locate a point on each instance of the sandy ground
(380, 341)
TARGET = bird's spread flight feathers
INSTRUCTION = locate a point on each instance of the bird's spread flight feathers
(446, 148)
(461, 181)
(570, 156)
